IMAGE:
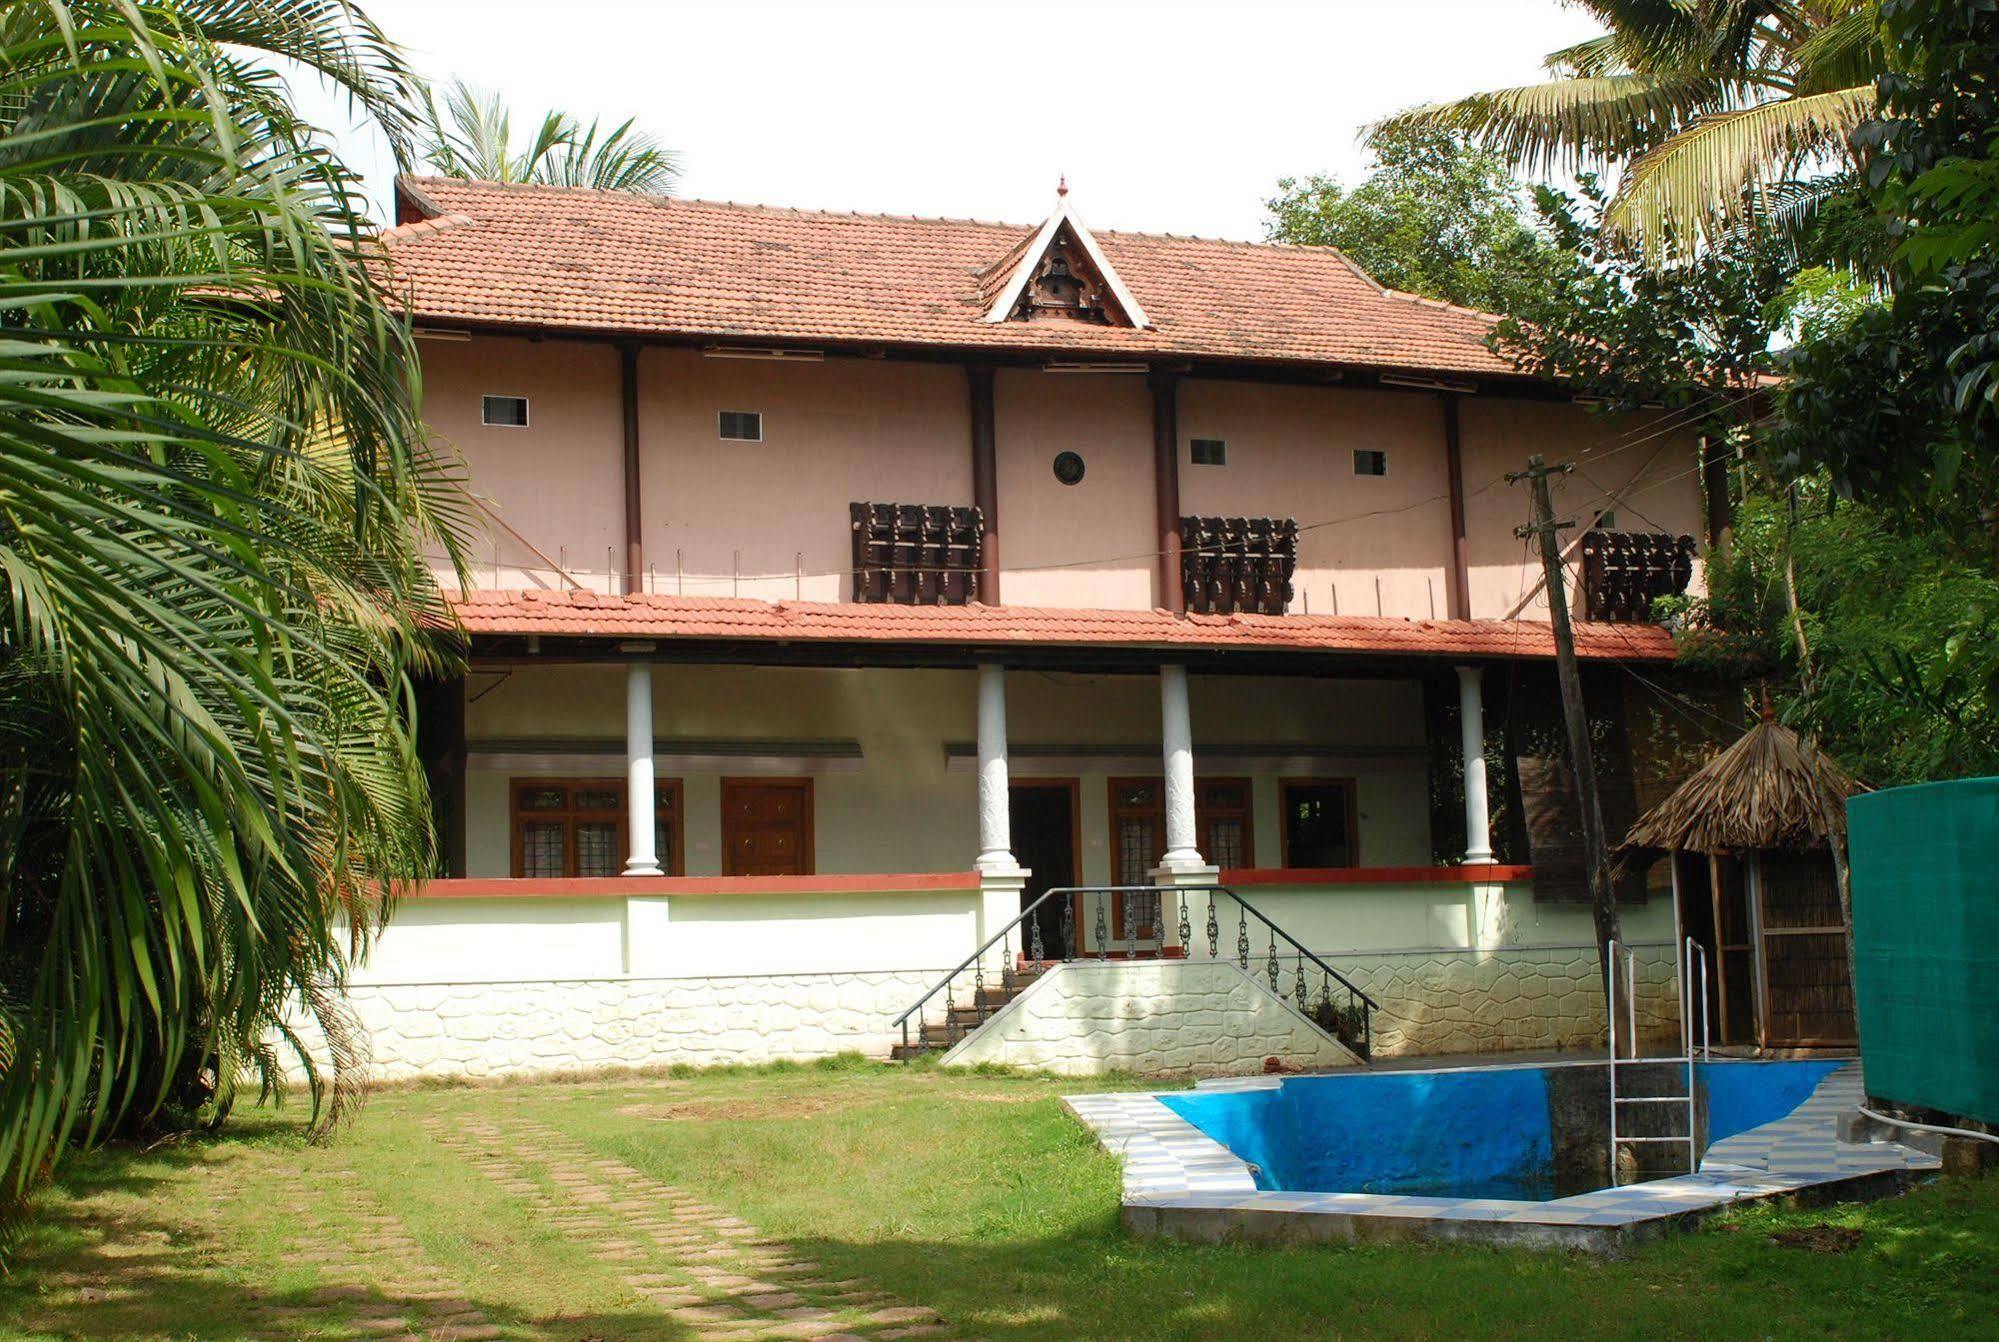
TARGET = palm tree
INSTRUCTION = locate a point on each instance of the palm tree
(215, 490)
(472, 136)
(1716, 106)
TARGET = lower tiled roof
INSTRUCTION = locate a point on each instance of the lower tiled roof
(591, 615)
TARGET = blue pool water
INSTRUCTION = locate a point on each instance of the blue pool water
(1476, 1132)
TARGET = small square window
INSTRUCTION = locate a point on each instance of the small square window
(1370, 461)
(1209, 451)
(1606, 520)
(504, 412)
(743, 426)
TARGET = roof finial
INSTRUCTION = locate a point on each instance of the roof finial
(1062, 185)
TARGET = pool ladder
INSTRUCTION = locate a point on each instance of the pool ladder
(1691, 971)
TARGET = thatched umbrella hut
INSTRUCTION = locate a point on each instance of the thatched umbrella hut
(1768, 816)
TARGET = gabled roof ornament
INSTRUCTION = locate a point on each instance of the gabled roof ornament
(1061, 233)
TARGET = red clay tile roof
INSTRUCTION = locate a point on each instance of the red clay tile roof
(588, 614)
(612, 262)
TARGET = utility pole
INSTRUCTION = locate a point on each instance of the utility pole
(1596, 854)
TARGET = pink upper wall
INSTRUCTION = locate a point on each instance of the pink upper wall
(1650, 478)
(1088, 544)
(559, 482)
(744, 518)
(723, 517)
(1290, 453)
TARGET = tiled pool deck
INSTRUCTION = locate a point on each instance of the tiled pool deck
(1178, 1181)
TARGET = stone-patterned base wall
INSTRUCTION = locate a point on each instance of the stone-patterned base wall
(1528, 997)
(1193, 1016)
(514, 1029)
(1157, 1017)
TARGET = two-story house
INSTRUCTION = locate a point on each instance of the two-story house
(847, 581)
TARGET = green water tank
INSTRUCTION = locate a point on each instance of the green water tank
(1926, 944)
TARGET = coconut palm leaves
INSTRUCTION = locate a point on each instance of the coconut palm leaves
(1716, 104)
(213, 489)
(472, 136)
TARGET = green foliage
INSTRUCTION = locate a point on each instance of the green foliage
(1902, 403)
(1628, 334)
(472, 136)
(1904, 635)
(214, 484)
(1716, 108)
(1434, 217)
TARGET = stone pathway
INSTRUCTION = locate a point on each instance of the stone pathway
(380, 1283)
(712, 1273)
(387, 1286)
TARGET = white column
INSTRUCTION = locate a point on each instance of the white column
(1176, 732)
(1471, 715)
(641, 810)
(995, 824)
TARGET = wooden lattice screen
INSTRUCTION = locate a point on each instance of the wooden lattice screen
(1625, 571)
(917, 554)
(1231, 564)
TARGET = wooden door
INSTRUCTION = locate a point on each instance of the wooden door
(1738, 989)
(1807, 988)
(766, 826)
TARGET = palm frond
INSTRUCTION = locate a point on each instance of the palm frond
(215, 492)
(1842, 53)
(1568, 124)
(472, 137)
(1700, 178)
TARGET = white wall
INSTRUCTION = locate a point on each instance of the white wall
(452, 939)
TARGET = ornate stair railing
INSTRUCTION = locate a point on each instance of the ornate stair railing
(1003, 967)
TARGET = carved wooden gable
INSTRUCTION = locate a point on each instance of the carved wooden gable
(1059, 274)
(1065, 285)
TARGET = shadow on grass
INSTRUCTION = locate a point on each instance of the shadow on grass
(1926, 1265)
(94, 1261)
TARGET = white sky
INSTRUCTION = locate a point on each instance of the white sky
(1168, 116)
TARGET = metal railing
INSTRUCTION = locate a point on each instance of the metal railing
(1690, 976)
(1018, 952)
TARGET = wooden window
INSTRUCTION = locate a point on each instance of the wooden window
(766, 826)
(1370, 461)
(503, 412)
(1138, 825)
(742, 426)
(1624, 572)
(1321, 823)
(1222, 814)
(576, 827)
(916, 554)
(1230, 564)
(1208, 451)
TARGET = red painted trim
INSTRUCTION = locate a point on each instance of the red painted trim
(618, 887)
(1482, 874)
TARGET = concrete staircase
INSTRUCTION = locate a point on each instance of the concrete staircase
(942, 1030)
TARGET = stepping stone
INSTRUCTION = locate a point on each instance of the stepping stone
(775, 1300)
(906, 1314)
(708, 1313)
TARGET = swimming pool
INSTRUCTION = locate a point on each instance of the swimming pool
(1528, 1133)
(1378, 1127)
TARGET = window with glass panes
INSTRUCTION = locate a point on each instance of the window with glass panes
(576, 827)
(1138, 825)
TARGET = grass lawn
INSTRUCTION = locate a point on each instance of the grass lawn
(872, 1197)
